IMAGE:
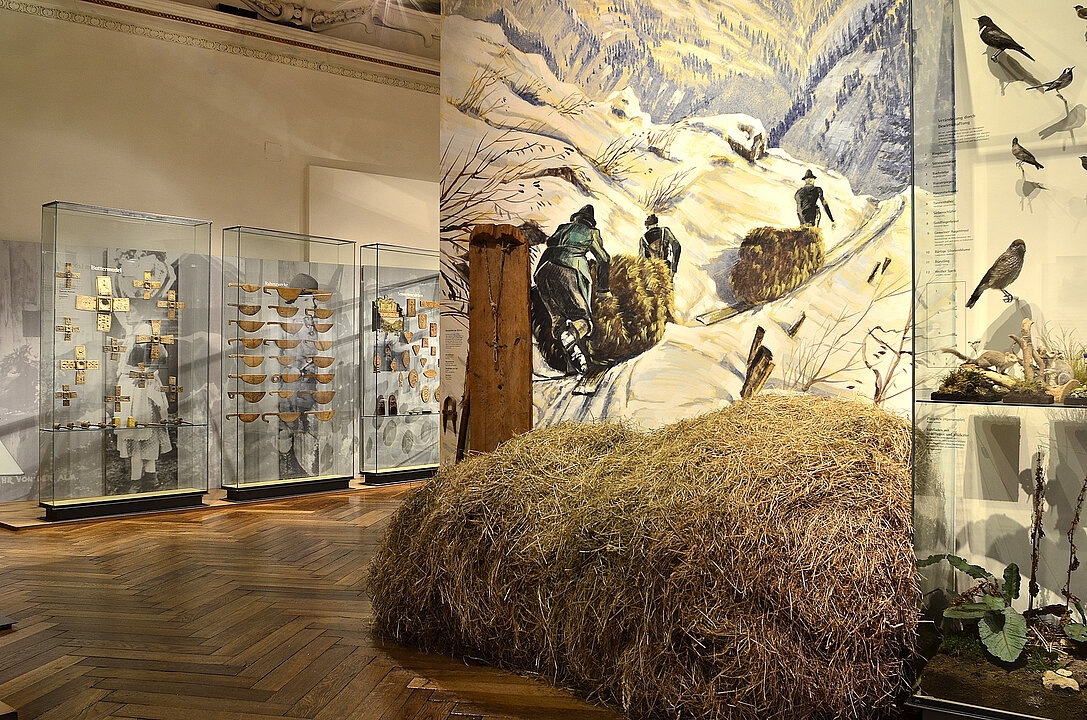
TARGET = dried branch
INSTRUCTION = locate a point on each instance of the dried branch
(1073, 556)
(667, 191)
(1036, 532)
(616, 159)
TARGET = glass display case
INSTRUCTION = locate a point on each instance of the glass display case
(124, 361)
(1000, 347)
(290, 324)
(401, 356)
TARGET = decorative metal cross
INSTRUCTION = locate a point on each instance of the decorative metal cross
(173, 388)
(104, 303)
(67, 275)
(173, 303)
(156, 339)
(66, 394)
(147, 284)
(117, 398)
(114, 348)
(143, 375)
(81, 364)
(67, 328)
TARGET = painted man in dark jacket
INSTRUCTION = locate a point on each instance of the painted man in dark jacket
(660, 244)
(808, 199)
(566, 286)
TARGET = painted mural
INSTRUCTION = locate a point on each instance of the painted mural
(717, 194)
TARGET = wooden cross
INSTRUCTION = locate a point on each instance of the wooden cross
(66, 394)
(143, 375)
(67, 328)
(104, 303)
(81, 364)
(67, 275)
(114, 348)
(173, 388)
(173, 303)
(117, 398)
(147, 284)
(156, 339)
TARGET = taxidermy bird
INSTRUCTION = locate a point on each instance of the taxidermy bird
(1081, 11)
(1059, 84)
(1022, 155)
(996, 38)
(1003, 272)
(1083, 161)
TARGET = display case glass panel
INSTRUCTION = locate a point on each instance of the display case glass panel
(1000, 342)
(401, 359)
(124, 356)
(290, 324)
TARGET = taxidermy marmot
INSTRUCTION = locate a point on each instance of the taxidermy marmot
(994, 359)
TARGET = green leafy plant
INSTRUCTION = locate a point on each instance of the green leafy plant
(1001, 628)
(1077, 631)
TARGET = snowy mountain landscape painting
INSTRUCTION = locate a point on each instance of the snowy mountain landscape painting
(704, 118)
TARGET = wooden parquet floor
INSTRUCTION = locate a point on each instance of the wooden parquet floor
(236, 613)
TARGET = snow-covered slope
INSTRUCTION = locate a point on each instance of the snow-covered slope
(552, 150)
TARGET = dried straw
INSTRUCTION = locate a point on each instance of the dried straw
(754, 562)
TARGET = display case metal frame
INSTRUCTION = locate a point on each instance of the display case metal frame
(123, 415)
(401, 359)
(290, 378)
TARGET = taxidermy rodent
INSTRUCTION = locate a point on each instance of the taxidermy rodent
(999, 361)
(1056, 367)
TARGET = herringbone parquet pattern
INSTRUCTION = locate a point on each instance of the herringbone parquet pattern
(242, 612)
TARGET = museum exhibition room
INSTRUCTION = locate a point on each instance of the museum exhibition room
(543, 360)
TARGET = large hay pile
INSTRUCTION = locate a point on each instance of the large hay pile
(626, 323)
(774, 261)
(751, 563)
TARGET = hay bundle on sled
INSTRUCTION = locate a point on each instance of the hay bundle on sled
(775, 261)
(753, 563)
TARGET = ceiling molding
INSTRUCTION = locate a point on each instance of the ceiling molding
(239, 36)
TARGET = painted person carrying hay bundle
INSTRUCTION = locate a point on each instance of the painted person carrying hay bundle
(591, 310)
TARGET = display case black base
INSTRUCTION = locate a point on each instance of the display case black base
(6, 623)
(122, 506)
(400, 476)
(935, 709)
(266, 491)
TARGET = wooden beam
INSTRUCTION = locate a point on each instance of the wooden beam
(499, 336)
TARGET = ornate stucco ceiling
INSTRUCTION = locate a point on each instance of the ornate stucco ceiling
(408, 26)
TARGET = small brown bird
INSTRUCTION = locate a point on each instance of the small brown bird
(1003, 272)
(994, 37)
(1022, 155)
(1083, 161)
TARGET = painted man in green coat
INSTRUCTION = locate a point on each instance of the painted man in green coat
(566, 286)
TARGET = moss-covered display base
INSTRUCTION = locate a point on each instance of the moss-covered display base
(982, 684)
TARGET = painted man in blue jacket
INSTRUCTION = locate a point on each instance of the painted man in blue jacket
(566, 285)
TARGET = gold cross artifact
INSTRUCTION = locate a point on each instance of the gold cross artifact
(81, 364)
(143, 375)
(114, 348)
(147, 284)
(66, 394)
(67, 328)
(104, 303)
(117, 398)
(172, 302)
(173, 388)
(67, 275)
(156, 339)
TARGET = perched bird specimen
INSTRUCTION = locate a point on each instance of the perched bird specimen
(1063, 81)
(1022, 155)
(994, 37)
(1003, 272)
(1083, 161)
(1081, 11)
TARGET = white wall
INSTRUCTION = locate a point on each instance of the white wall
(107, 118)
